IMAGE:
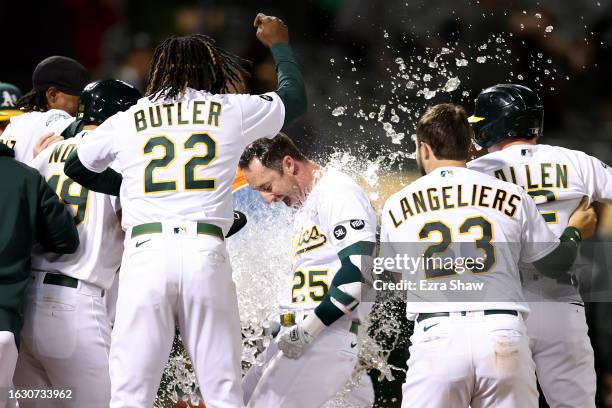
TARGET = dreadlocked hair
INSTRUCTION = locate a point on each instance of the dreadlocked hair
(33, 101)
(193, 61)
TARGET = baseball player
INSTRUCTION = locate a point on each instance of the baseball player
(334, 236)
(49, 107)
(9, 94)
(177, 150)
(66, 337)
(29, 212)
(469, 231)
(508, 121)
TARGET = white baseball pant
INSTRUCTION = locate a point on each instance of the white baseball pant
(306, 382)
(473, 361)
(8, 359)
(65, 344)
(167, 278)
(561, 348)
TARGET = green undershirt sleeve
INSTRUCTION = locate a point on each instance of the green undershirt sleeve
(291, 88)
(556, 264)
(348, 273)
(107, 182)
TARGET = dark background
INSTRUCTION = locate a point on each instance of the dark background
(348, 51)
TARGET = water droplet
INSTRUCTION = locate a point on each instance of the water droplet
(332, 60)
(538, 15)
(549, 29)
(461, 62)
(427, 94)
(433, 64)
(339, 111)
(339, 123)
(426, 78)
(452, 84)
(520, 77)
(481, 60)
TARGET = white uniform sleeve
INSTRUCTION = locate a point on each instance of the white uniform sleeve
(387, 249)
(262, 115)
(57, 121)
(597, 177)
(42, 158)
(97, 150)
(537, 240)
(347, 218)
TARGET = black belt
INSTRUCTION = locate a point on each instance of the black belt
(60, 280)
(423, 316)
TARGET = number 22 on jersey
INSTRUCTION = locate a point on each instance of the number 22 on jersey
(167, 147)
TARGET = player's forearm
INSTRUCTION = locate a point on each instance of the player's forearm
(291, 88)
(107, 182)
(344, 294)
(556, 264)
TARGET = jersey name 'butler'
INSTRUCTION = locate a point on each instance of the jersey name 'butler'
(197, 113)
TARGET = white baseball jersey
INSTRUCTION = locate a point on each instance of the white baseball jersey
(465, 216)
(335, 215)
(23, 131)
(557, 179)
(99, 255)
(178, 158)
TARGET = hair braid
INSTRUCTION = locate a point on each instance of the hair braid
(193, 61)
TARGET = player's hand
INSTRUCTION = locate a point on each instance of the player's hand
(584, 218)
(270, 30)
(47, 139)
(294, 341)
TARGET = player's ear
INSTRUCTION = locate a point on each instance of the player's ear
(51, 95)
(289, 166)
(425, 150)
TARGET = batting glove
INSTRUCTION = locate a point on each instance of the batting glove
(294, 341)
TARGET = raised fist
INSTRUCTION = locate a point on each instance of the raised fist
(270, 30)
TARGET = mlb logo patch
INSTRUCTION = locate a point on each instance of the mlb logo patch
(526, 152)
(180, 230)
(446, 173)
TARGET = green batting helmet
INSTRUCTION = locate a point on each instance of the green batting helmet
(506, 111)
(102, 99)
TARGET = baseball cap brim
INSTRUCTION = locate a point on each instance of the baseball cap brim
(6, 114)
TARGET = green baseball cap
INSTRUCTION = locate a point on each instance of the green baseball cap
(9, 94)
